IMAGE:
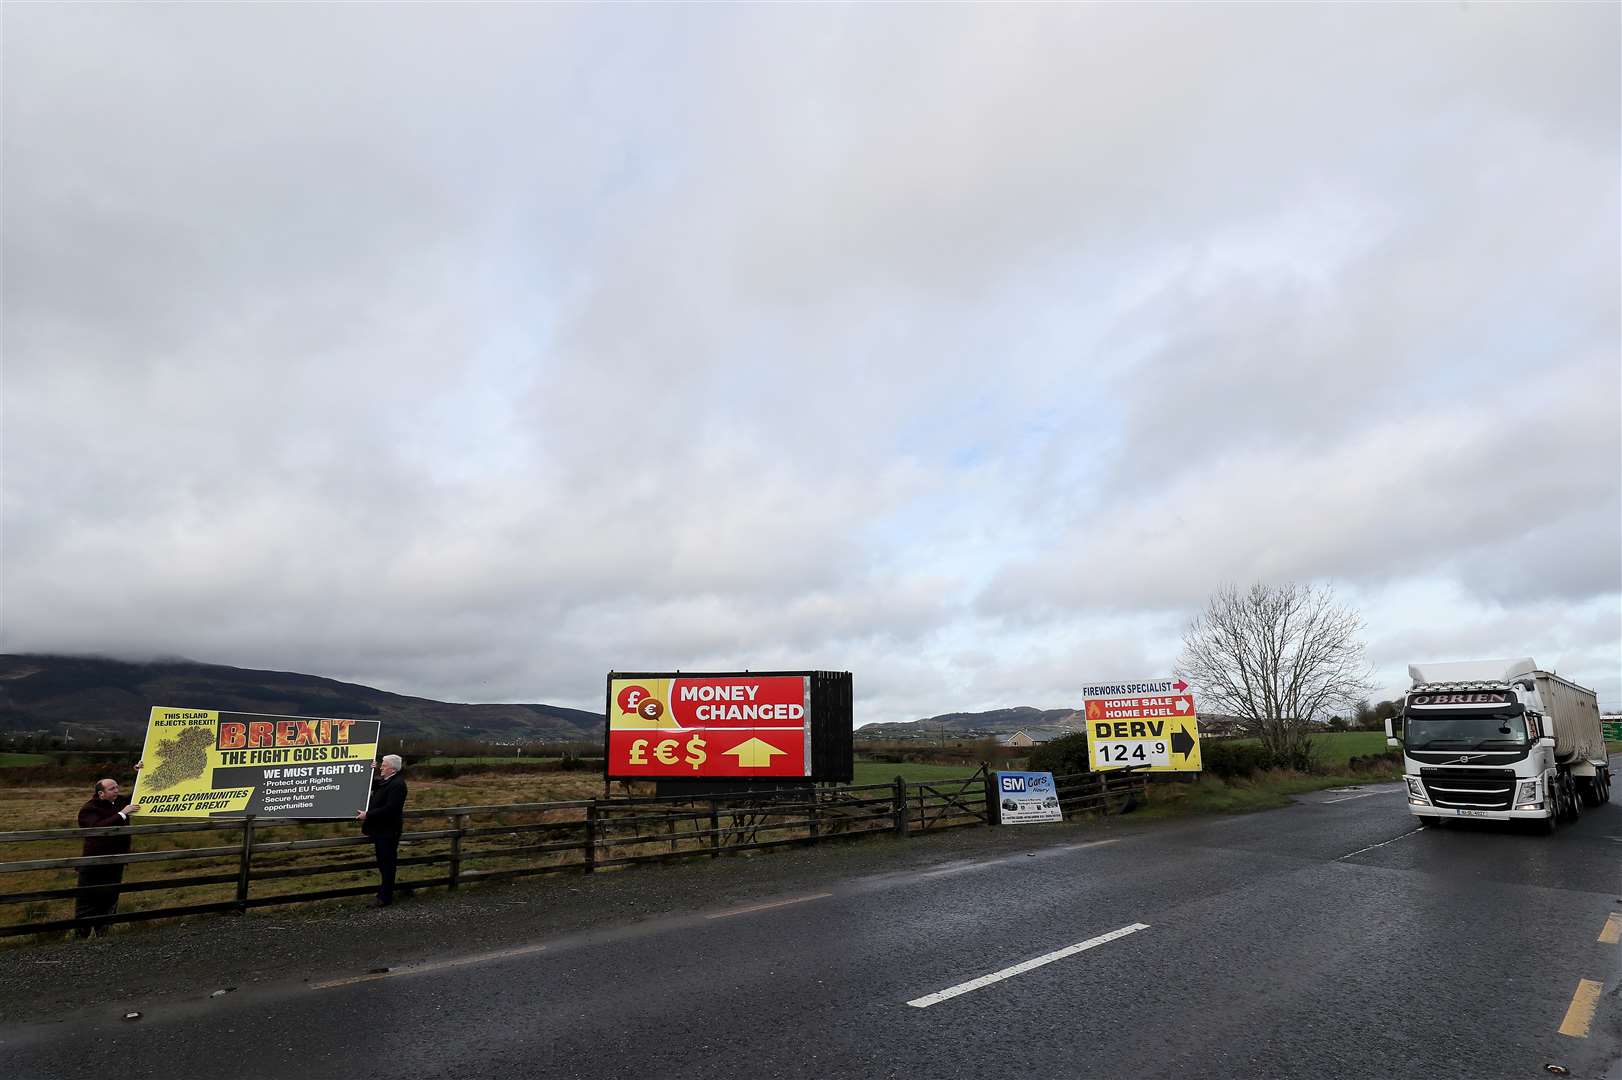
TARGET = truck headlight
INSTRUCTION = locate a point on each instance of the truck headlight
(1528, 792)
(1416, 792)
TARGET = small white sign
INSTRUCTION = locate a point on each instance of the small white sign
(1026, 797)
(1116, 754)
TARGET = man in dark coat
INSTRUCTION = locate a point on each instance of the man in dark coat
(383, 821)
(107, 808)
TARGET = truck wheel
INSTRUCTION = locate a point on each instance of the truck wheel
(1576, 800)
(1588, 788)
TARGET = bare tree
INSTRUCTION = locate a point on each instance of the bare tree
(1276, 657)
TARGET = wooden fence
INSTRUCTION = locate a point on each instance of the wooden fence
(231, 866)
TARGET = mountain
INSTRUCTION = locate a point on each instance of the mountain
(95, 697)
(960, 724)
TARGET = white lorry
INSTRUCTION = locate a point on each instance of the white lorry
(1500, 739)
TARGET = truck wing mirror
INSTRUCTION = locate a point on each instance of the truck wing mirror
(1390, 738)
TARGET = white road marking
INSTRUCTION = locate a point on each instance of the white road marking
(989, 864)
(1360, 795)
(1371, 847)
(769, 905)
(1019, 969)
(440, 965)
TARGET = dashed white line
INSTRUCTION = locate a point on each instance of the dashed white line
(1019, 969)
(1383, 843)
(1360, 795)
(440, 965)
(769, 905)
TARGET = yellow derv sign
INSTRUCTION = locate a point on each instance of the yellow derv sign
(1148, 725)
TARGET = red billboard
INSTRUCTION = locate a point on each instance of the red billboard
(709, 726)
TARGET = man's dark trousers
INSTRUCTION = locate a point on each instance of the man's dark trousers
(87, 905)
(388, 857)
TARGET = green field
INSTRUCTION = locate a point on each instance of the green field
(509, 759)
(23, 759)
(1334, 749)
(885, 772)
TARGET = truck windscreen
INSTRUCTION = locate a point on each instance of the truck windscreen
(1500, 728)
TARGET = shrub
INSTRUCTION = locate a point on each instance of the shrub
(1391, 759)
(1229, 759)
(1063, 756)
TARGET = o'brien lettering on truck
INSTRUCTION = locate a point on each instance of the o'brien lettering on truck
(1500, 739)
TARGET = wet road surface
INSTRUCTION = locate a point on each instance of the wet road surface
(1331, 939)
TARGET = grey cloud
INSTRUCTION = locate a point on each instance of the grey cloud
(474, 350)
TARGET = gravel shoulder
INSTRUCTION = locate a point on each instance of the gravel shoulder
(139, 965)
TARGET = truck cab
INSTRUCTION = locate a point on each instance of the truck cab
(1499, 740)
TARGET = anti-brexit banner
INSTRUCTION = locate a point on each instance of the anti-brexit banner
(199, 763)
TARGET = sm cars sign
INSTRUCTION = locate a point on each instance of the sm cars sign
(727, 726)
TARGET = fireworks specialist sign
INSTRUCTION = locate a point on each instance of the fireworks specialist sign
(727, 726)
(1025, 797)
(200, 764)
(1150, 725)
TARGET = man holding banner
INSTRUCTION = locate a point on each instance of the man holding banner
(106, 809)
(383, 820)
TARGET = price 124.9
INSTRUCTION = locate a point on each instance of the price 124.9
(1115, 755)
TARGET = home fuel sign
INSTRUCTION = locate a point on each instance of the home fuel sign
(1149, 725)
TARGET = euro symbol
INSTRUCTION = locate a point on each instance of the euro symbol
(666, 752)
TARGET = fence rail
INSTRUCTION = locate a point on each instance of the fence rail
(484, 843)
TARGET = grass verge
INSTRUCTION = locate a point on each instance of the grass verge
(1264, 791)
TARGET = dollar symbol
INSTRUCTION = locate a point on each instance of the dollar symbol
(695, 752)
(666, 752)
(637, 756)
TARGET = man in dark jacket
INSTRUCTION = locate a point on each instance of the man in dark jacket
(382, 820)
(107, 808)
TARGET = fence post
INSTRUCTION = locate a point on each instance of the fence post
(457, 821)
(715, 828)
(901, 810)
(994, 800)
(591, 836)
(816, 830)
(245, 863)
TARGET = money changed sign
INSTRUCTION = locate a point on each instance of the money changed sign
(728, 726)
(198, 763)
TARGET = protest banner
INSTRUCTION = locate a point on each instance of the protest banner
(200, 764)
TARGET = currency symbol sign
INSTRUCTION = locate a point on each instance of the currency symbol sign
(637, 755)
(666, 752)
(695, 752)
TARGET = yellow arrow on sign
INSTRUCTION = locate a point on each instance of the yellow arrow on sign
(754, 754)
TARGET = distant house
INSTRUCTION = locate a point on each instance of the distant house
(1217, 726)
(1025, 737)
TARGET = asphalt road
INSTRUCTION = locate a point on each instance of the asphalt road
(1330, 939)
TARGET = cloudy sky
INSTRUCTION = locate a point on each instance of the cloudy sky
(473, 352)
